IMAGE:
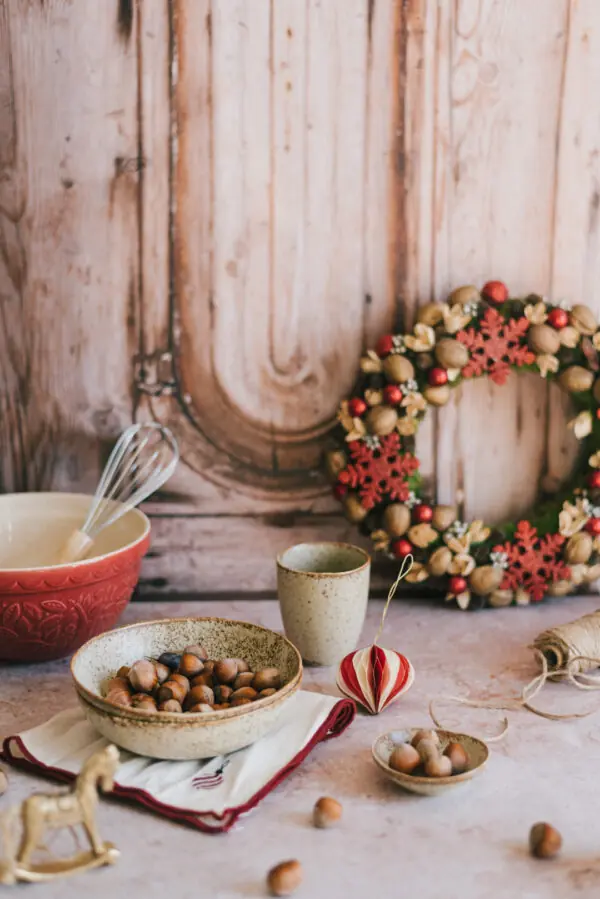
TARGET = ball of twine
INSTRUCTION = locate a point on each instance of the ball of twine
(568, 653)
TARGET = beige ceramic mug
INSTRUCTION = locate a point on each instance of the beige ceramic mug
(323, 590)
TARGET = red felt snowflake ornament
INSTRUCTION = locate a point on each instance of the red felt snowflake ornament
(495, 346)
(533, 562)
(379, 471)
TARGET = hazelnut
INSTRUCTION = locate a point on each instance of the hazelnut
(218, 706)
(264, 693)
(200, 679)
(181, 679)
(404, 758)
(544, 840)
(201, 707)
(171, 690)
(284, 878)
(243, 693)
(170, 659)
(225, 671)
(242, 665)
(121, 697)
(458, 757)
(190, 665)
(117, 683)
(170, 705)
(163, 672)
(199, 694)
(240, 701)
(267, 678)
(209, 666)
(243, 680)
(143, 703)
(438, 766)
(198, 650)
(142, 676)
(123, 671)
(425, 735)
(223, 693)
(326, 812)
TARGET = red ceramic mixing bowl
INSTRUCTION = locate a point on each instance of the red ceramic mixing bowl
(46, 610)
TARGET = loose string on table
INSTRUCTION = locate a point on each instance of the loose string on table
(567, 653)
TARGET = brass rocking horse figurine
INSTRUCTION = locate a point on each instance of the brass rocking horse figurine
(43, 811)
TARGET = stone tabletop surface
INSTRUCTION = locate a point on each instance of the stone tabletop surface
(469, 844)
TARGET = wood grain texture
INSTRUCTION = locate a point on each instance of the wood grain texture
(68, 238)
(482, 205)
(259, 188)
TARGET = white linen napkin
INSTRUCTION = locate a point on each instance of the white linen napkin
(209, 794)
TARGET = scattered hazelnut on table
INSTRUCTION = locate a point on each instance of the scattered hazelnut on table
(326, 812)
(544, 840)
(285, 878)
(404, 758)
(458, 757)
(142, 676)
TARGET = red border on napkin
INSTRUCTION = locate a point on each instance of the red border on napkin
(339, 718)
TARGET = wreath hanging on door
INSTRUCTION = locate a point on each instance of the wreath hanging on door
(375, 472)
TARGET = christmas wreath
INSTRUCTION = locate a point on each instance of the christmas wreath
(375, 472)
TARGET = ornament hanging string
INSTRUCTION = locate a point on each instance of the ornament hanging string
(565, 653)
(407, 564)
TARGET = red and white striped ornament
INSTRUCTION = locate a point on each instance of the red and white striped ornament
(375, 677)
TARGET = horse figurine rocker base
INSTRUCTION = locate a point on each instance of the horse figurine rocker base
(43, 811)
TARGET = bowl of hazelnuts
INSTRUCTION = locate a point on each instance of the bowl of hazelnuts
(429, 762)
(186, 688)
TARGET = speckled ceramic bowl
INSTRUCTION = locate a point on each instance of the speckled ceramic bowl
(476, 750)
(163, 735)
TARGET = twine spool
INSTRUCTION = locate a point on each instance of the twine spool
(567, 652)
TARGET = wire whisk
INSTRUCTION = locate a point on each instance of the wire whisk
(143, 459)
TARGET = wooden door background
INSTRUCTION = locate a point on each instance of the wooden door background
(209, 207)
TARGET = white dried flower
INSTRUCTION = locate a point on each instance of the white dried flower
(499, 559)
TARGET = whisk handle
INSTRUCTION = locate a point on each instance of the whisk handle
(75, 548)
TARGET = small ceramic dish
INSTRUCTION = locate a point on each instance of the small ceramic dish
(164, 735)
(476, 750)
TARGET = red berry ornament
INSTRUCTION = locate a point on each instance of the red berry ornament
(392, 394)
(495, 292)
(401, 548)
(422, 513)
(384, 345)
(357, 407)
(457, 585)
(593, 527)
(594, 480)
(558, 318)
(437, 376)
(598, 413)
(340, 491)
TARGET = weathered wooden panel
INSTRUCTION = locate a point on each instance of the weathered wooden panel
(68, 237)
(488, 112)
(257, 190)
